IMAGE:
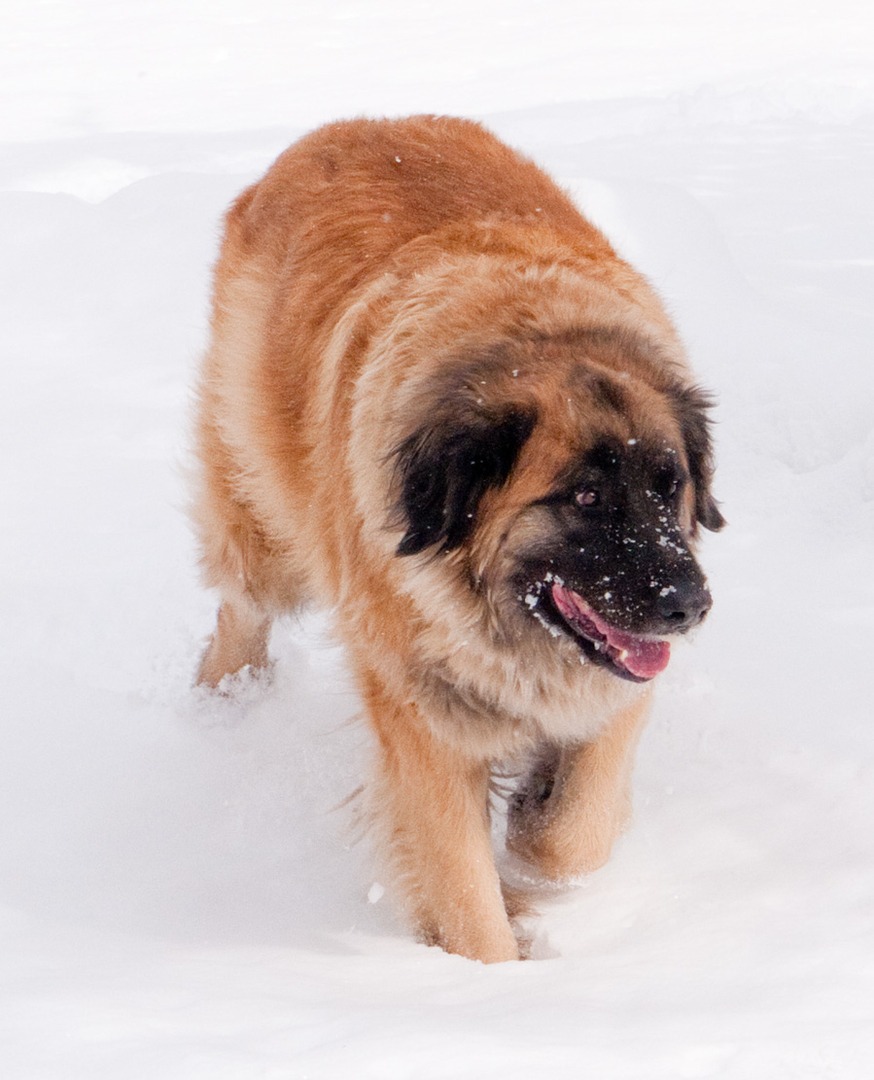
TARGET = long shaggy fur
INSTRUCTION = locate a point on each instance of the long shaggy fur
(416, 339)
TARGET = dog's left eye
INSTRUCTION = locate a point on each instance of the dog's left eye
(667, 485)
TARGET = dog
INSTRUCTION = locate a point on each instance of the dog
(438, 402)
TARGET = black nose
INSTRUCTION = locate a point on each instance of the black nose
(682, 605)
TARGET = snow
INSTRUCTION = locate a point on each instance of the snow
(183, 890)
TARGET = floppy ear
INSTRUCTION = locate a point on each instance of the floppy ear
(446, 467)
(692, 405)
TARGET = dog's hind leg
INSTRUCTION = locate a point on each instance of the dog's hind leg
(255, 581)
(243, 622)
(577, 800)
(238, 641)
(430, 806)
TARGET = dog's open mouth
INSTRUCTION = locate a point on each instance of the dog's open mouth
(631, 657)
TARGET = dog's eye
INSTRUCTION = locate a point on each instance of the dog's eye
(667, 486)
(587, 497)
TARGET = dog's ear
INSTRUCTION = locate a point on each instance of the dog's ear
(446, 467)
(691, 406)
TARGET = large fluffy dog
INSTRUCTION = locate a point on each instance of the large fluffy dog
(437, 401)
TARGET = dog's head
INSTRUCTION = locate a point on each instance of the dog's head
(566, 479)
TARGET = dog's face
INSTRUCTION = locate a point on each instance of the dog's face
(612, 567)
(567, 483)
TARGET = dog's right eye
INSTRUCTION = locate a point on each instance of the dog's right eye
(587, 497)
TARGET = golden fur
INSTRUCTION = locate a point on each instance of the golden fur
(382, 278)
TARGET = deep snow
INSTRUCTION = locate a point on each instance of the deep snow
(182, 894)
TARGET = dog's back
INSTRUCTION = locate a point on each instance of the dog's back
(367, 187)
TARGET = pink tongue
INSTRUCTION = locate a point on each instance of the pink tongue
(643, 659)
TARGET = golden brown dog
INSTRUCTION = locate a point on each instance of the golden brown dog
(439, 403)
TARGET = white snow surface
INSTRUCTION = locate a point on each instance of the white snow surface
(182, 896)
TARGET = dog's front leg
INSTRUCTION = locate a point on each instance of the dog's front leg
(577, 799)
(431, 805)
